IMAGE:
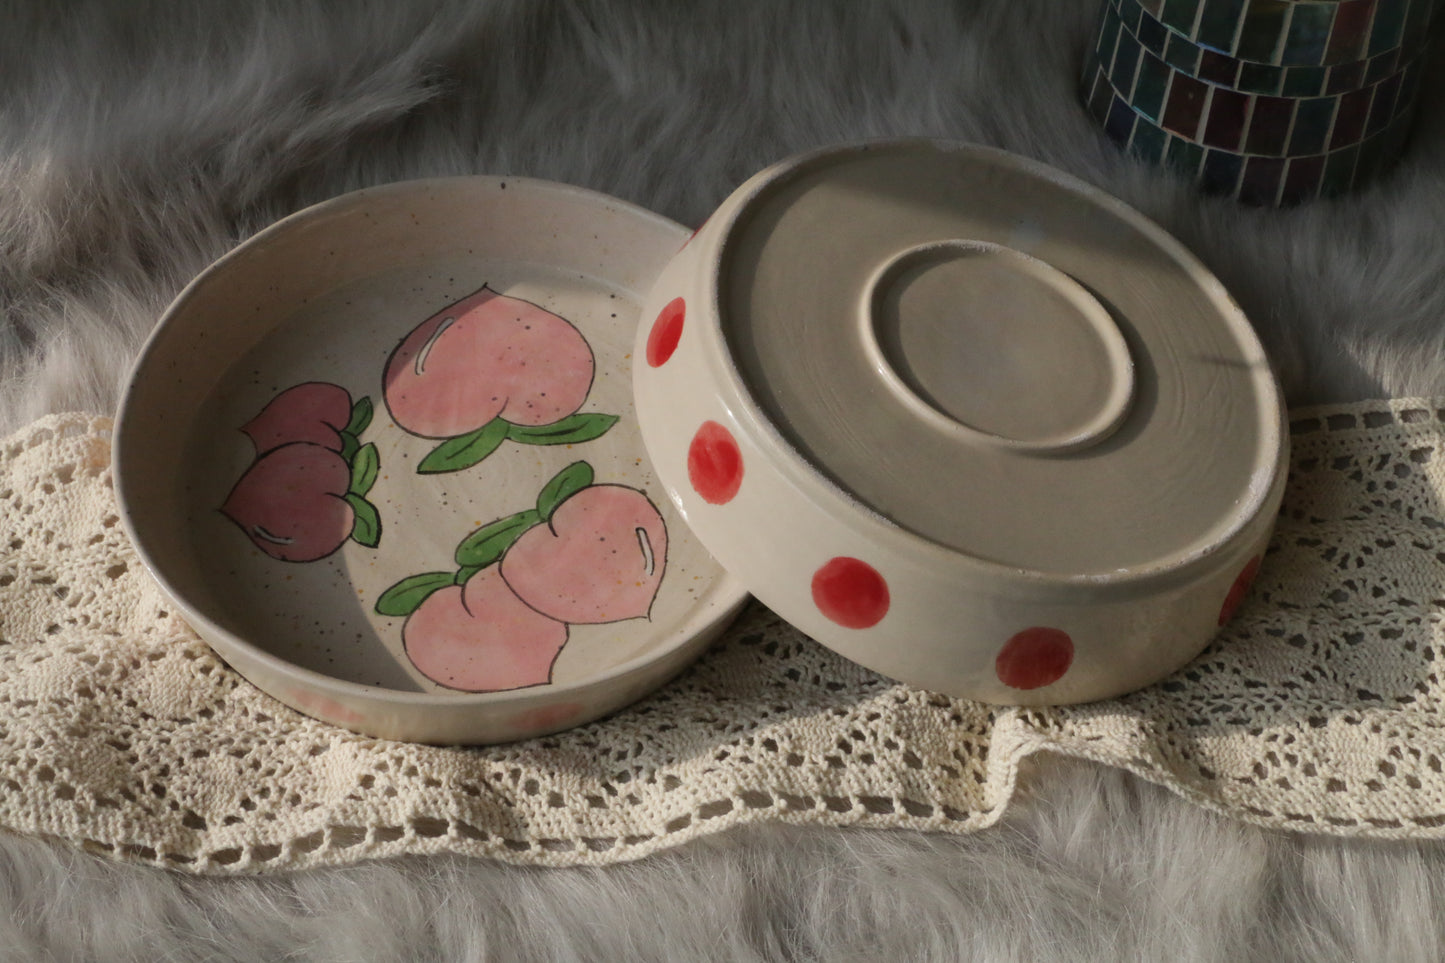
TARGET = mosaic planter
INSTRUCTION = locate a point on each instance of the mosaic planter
(1285, 32)
(1271, 113)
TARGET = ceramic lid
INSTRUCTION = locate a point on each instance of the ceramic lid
(975, 364)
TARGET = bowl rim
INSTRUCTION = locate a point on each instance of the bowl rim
(867, 524)
(733, 594)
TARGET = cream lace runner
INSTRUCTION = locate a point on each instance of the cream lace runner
(1320, 708)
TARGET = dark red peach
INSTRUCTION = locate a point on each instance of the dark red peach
(291, 502)
(313, 412)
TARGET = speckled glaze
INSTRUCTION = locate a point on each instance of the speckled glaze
(963, 419)
(307, 463)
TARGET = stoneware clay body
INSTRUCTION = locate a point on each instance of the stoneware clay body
(964, 419)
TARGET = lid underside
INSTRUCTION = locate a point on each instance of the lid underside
(998, 361)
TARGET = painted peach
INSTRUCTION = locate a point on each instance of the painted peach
(600, 558)
(487, 356)
(313, 412)
(481, 638)
(291, 502)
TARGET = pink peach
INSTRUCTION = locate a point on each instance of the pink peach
(600, 558)
(487, 356)
(481, 638)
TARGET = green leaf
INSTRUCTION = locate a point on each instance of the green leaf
(466, 572)
(405, 596)
(349, 445)
(360, 416)
(566, 483)
(485, 545)
(568, 431)
(464, 451)
(364, 467)
(366, 529)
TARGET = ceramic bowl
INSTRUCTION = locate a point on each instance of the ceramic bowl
(383, 458)
(963, 419)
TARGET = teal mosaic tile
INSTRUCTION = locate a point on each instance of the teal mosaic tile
(1180, 15)
(1381, 66)
(1150, 87)
(1128, 11)
(1126, 63)
(1220, 173)
(1261, 182)
(1181, 54)
(1184, 156)
(1303, 81)
(1260, 78)
(1339, 172)
(1219, 23)
(1148, 142)
(1309, 32)
(1388, 27)
(1261, 34)
(1302, 180)
(1101, 95)
(1312, 120)
(1119, 125)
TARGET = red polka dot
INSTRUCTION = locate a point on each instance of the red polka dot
(666, 332)
(1034, 657)
(695, 232)
(1239, 590)
(714, 464)
(851, 593)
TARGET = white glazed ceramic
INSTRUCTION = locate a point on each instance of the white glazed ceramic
(964, 419)
(445, 527)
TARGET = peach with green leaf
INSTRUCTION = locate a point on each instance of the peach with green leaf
(292, 502)
(599, 558)
(582, 554)
(488, 369)
(305, 493)
(314, 412)
(479, 637)
(484, 357)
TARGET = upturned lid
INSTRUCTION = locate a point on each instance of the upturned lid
(978, 367)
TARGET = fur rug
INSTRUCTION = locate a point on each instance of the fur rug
(139, 141)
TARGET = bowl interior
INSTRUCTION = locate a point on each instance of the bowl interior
(338, 299)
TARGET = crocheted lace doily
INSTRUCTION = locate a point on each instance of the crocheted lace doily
(1319, 708)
